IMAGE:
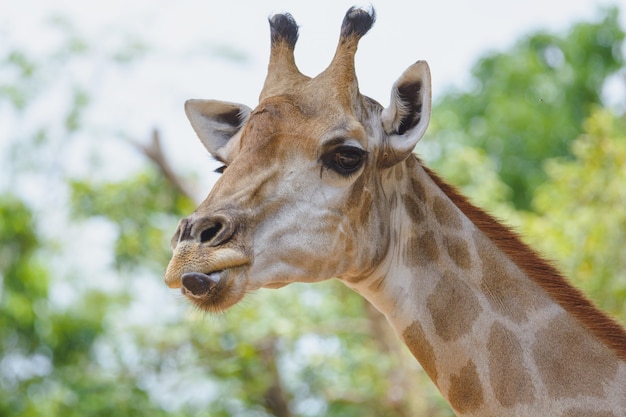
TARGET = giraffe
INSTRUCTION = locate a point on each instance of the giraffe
(320, 181)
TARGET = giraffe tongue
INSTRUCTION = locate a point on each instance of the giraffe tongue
(199, 284)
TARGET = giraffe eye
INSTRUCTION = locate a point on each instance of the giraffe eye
(345, 159)
(221, 169)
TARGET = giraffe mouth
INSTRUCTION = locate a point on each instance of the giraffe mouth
(213, 291)
(197, 284)
(214, 283)
(201, 277)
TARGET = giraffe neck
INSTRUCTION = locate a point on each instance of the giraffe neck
(492, 338)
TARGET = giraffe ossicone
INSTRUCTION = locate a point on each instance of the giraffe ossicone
(320, 182)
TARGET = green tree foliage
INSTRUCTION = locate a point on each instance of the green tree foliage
(49, 361)
(24, 279)
(47, 365)
(529, 103)
(581, 211)
(144, 229)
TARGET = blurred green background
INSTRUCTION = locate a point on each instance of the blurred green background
(86, 212)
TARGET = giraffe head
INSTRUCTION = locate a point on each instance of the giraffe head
(300, 198)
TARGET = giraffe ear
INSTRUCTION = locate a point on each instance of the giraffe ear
(406, 119)
(215, 123)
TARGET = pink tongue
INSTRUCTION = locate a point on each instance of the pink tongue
(198, 283)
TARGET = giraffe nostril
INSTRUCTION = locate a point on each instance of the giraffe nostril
(209, 233)
(213, 230)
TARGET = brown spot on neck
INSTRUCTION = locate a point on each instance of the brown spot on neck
(413, 198)
(508, 291)
(466, 392)
(416, 341)
(509, 378)
(417, 188)
(422, 249)
(453, 306)
(414, 208)
(446, 213)
(458, 251)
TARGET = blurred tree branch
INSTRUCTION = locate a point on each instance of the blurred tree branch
(276, 400)
(154, 152)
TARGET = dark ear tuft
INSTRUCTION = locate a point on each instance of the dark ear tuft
(410, 95)
(357, 22)
(284, 28)
(231, 116)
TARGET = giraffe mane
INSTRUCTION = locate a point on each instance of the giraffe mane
(541, 271)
